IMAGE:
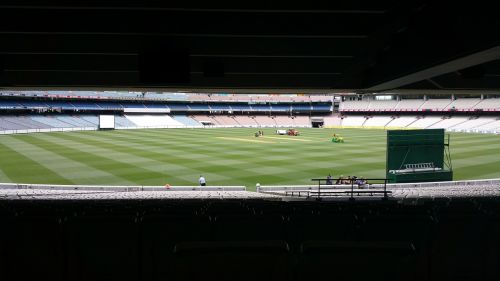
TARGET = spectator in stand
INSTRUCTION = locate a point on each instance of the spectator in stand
(348, 180)
(340, 180)
(365, 182)
(329, 180)
(360, 182)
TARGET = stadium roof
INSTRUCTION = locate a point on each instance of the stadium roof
(279, 45)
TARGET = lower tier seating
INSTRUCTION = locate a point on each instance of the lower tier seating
(437, 239)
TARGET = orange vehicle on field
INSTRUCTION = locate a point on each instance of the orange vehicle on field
(293, 132)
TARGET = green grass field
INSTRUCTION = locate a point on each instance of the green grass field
(223, 156)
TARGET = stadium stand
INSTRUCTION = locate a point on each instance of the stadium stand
(377, 121)
(409, 104)
(123, 122)
(75, 113)
(20, 122)
(205, 119)
(436, 104)
(489, 127)
(425, 122)
(265, 120)
(446, 123)
(186, 120)
(473, 124)
(246, 120)
(219, 239)
(160, 120)
(353, 121)
(463, 104)
(301, 121)
(402, 122)
(333, 121)
(354, 105)
(91, 119)
(225, 120)
(382, 105)
(51, 121)
(489, 104)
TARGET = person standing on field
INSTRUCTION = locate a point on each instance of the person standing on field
(202, 181)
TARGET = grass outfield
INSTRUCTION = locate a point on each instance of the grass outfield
(223, 156)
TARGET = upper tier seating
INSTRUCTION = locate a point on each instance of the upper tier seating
(382, 105)
(465, 103)
(409, 104)
(489, 104)
(436, 104)
(280, 107)
(354, 105)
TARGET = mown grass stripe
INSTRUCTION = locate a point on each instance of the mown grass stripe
(67, 163)
(20, 168)
(134, 154)
(125, 171)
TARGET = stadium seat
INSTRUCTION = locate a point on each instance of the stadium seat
(32, 248)
(342, 260)
(257, 260)
(460, 248)
(103, 247)
(320, 227)
(415, 229)
(159, 234)
(248, 227)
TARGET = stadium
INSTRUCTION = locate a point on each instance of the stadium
(232, 141)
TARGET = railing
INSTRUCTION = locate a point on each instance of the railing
(46, 130)
(316, 191)
(445, 183)
(120, 187)
(352, 183)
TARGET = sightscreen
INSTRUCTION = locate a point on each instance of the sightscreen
(417, 155)
(106, 121)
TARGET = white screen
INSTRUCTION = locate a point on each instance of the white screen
(106, 121)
